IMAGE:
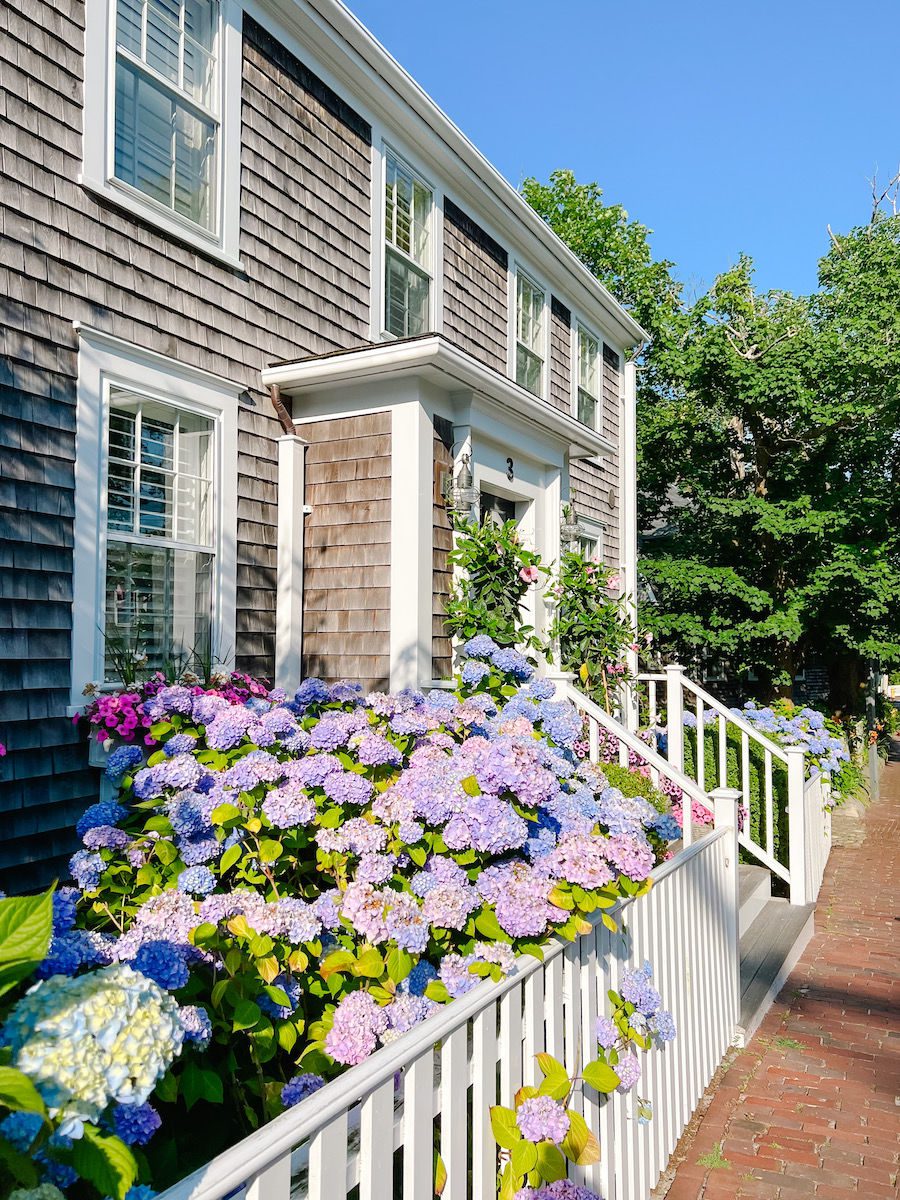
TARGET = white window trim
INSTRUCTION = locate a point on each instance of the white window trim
(98, 172)
(383, 145)
(104, 362)
(517, 269)
(579, 325)
(592, 528)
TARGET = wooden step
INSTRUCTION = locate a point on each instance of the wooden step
(770, 949)
(755, 892)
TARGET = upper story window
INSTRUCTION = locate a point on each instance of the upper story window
(530, 305)
(408, 219)
(160, 531)
(162, 115)
(167, 126)
(588, 378)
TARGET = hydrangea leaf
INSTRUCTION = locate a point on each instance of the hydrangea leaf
(25, 927)
(17, 1092)
(550, 1162)
(104, 1161)
(503, 1126)
(579, 1145)
(600, 1076)
(524, 1157)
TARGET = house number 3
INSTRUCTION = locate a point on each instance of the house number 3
(510, 472)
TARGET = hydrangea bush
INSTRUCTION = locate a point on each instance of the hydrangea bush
(541, 1133)
(313, 876)
(82, 1056)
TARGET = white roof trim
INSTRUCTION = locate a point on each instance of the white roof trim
(448, 366)
(329, 28)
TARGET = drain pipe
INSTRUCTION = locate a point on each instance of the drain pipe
(281, 412)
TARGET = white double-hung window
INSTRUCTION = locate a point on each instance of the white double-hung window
(408, 267)
(530, 336)
(162, 113)
(588, 378)
(155, 516)
(160, 530)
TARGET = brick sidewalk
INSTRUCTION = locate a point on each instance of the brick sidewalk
(812, 1106)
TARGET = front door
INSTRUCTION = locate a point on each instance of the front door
(498, 508)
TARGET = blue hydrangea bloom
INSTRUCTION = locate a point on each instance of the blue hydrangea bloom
(20, 1129)
(86, 869)
(106, 812)
(196, 1024)
(197, 881)
(312, 691)
(122, 760)
(299, 1088)
(135, 1124)
(481, 646)
(163, 963)
(181, 743)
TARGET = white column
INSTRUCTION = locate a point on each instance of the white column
(725, 813)
(628, 521)
(797, 824)
(289, 593)
(412, 483)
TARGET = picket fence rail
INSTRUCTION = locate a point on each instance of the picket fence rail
(372, 1133)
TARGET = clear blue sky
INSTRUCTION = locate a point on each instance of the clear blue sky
(723, 125)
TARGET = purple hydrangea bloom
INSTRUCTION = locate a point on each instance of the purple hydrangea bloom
(474, 671)
(65, 901)
(335, 730)
(405, 922)
(107, 812)
(313, 770)
(364, 907)
(636, 989)
(511, 662)
(579, 858)
(662, 1026)
(287, 806)
(196, 1025)
(375, 868)
(163, 963)
(346, 787)
(363, 836)
(180, 743)
(374, 750)
(481, 646)
(299, 1088)
(199, 850)
(135, 1124)
(298, 921)
(86, 869)
(630, 856)
(405, 1012)
(106, 837)
(120, 762)
(519, 890)
(628, 1070)
(197, 881)
(410, 832)
(312, 691)
(542, 1119)
(356, 1027)
(228, 727)
(455, 975)
(607, 1034)
(326, 908)
(448, 905)
(206, 708)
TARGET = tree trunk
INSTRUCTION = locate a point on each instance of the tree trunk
(846, 682)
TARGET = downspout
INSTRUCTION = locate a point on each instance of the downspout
(289, 579)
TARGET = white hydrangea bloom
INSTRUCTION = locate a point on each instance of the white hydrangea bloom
(94, 1040)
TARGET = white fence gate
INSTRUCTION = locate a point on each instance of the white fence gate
(372, 1133)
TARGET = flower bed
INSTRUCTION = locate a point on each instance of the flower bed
(312, 877)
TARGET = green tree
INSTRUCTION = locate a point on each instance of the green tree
(768, 447)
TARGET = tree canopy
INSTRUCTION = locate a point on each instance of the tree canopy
(768, 447)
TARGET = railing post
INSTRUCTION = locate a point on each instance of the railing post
(675, 715)
(798, 832)
(725, 813)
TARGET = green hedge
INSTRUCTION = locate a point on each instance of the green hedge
(757, 823)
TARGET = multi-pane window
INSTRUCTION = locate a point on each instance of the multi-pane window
(529, 334)
(160, 544)
(408, 205)
(166, 108)
(588, 378)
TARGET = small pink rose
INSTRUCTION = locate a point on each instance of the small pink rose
(529, 574)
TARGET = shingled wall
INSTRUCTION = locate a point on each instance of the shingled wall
(65, 256)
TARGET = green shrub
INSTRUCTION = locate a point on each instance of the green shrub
(633, 783)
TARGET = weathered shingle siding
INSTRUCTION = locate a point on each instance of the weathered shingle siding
(476, 306)
(66, 255)
(560, 356)
(347, 549)
(597, 487)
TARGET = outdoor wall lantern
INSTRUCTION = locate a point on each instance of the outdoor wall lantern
(569, 530)
(463, 495)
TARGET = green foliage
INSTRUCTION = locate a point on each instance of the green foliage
(487, 598)
(768, 456)
(590, 625)
(632, 783)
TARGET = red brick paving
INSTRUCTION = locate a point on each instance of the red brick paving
(811, 1108)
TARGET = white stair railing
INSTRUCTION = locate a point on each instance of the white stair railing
(801, 863)
(597, 718)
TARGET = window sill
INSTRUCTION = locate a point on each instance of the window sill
(135, 205)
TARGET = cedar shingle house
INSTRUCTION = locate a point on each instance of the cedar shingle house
(262, 303)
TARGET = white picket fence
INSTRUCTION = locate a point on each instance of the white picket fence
(801, 862)
(376, 1128)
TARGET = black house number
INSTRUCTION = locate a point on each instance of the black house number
(510, 471)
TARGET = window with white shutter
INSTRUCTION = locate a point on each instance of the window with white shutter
(530, 305)
(408, 217)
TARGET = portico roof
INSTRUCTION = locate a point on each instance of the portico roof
(433, 357)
